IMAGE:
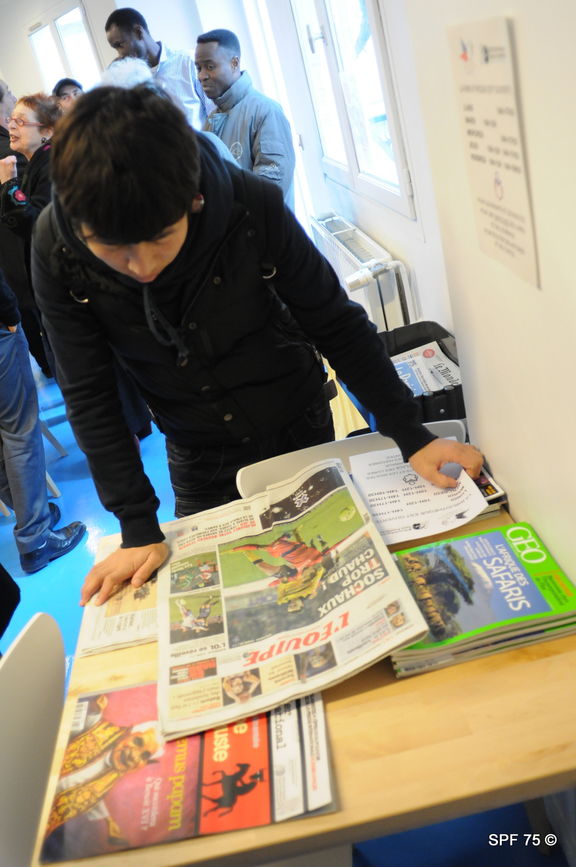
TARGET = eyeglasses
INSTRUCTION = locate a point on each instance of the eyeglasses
(21, 122)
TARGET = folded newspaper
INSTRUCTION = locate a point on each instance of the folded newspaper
(272, 598)
(426, 368)
(403, 506)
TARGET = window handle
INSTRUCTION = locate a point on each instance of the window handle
(313, 39)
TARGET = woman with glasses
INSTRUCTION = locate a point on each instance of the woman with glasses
(12, 247)
(30, 127)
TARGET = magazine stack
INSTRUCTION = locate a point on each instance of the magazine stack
(484, 593)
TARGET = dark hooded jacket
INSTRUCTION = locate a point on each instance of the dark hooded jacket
(9, 313)
(22, 200)
(12, 255)
(220, 352)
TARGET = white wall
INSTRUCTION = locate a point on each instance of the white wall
(516, 342)
(175, 21)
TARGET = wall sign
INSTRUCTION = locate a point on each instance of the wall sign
(489, 110)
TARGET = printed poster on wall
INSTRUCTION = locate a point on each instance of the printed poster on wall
(489, 109)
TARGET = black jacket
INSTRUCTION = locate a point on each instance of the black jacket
(12, 258)
(219, 353)
(9, 313)
(21, 201)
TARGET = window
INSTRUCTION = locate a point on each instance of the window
(63, 47)
(348, 71)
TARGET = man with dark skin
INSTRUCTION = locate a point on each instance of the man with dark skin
(127, 33)
(254, 127)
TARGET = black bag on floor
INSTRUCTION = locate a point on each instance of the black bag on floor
(448, 403)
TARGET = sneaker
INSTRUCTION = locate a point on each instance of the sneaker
(58, 543)
(55, 515)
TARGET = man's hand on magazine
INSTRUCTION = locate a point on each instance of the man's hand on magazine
(126, 564)
(428, 461)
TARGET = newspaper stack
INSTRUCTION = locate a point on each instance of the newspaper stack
(482, 594)
(121, 787)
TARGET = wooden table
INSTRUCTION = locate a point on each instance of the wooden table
(407, 753)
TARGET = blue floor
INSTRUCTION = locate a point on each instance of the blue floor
(462, 843)
(56, 590)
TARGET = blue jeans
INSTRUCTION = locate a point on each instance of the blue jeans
(204, 477)
(22, 461)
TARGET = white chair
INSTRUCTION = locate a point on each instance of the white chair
(31, 699)
(47, 433)
(52, 487)
(255, 477)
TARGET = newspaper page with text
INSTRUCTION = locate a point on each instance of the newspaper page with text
(404, 505)
(269, 599)
(129, 617)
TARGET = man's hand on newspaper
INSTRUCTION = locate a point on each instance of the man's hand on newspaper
(125, 564)
(428, 461)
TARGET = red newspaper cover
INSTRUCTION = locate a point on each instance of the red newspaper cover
(122, 786)
(236, 789)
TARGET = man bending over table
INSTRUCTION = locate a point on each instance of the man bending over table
(195, 274)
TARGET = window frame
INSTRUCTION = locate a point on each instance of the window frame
(400, 199)
(48, 19)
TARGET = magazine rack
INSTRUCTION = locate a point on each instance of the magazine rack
(434, 406)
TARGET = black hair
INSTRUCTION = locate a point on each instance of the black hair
(126, 19)
(65, 82)
(225, 38)
(125, 162)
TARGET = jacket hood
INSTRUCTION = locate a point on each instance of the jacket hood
(205, 230)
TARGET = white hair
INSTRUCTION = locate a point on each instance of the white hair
(127, 72)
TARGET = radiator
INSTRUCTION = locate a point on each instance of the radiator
(367, 270)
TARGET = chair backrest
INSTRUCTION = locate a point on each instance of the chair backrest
(255, 477)
(31, 700)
